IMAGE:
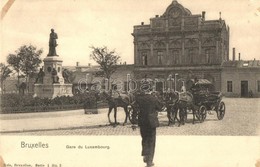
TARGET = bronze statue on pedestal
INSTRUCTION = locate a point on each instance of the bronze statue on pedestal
(53, 43)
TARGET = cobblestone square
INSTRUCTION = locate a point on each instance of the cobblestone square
(241, 119)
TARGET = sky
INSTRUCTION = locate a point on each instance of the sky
(84, 23)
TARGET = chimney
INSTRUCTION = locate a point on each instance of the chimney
(156, 15)
(239, 56)
(142, 23)
(77, 63)
(234, 54)
(203, 15)
(89, 64)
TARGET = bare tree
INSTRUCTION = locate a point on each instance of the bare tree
(106, 59)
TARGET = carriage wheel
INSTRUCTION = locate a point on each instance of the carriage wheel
(202, 113)
(221, 110)
(133, 115)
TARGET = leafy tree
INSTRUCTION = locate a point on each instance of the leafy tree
(25, 61)
(106, 59)
(15, 62)
(5, 72)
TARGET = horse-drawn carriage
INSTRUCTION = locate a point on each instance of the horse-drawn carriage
(199, 100)
(205, 96)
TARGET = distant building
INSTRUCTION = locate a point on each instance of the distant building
(90, 77)
(9, 85)
(241, 78)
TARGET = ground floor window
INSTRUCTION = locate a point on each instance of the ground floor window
(229, 86)
(258, 86)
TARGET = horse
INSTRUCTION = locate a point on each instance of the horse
(123, 100)
(186, 102)
(170, 99)
(183, 101)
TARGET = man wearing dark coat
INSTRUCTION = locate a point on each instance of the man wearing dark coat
(148, 122)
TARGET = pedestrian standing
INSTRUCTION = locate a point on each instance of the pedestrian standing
(148, 122)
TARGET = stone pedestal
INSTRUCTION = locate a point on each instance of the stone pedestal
(49, 88)
(52, 91)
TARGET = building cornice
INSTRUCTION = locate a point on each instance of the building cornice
(153, 68)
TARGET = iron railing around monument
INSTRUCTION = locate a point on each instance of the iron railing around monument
(31, 109)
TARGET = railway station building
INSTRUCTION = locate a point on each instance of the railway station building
(180, 44)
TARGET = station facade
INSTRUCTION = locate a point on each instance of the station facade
(180, 44)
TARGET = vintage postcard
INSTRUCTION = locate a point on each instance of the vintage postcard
(130, 83)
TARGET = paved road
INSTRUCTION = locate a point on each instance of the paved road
(241, 119)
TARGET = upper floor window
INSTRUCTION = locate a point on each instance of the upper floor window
(144, 59)
(207, 53)
(258, 86)
(190, 56)
(160, 57)
(175, 57)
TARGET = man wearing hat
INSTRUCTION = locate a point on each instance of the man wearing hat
(148, 121)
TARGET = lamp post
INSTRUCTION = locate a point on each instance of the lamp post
(88, 82)
(128, 82)
(175, 75)
(170, 80)
(156, 80)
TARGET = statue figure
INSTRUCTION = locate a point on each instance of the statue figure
(55, 78)
(52, 43)
(65, 75)
(40, 76)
